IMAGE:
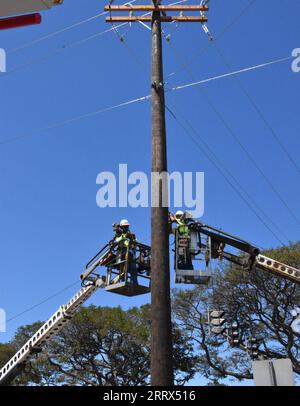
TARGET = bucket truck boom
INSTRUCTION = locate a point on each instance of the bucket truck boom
(56, 322)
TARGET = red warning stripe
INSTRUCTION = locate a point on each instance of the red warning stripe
(20, 21)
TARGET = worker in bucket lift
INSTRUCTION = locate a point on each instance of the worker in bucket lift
(180, 220)
(184, 261)
(125, 240)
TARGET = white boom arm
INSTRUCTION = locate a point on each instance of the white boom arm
(56, 322)
(278, 268)
(221, 239)
(266, 264)
(15, 7)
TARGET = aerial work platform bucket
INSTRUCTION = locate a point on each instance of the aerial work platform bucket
(127, 289)
(188, 249)
(192, 277)
(127, 269)
(129, 274)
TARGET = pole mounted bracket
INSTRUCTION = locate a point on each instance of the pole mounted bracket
(157, 86)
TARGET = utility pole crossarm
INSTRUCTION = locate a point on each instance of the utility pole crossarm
(155, 8)
(164, 19)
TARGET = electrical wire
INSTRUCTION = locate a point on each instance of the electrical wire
(231, 74)
(142, 99)
(223, 31)
(59, 50)
(55, 294)
(72, 44)
(260, 114)
(42, 302)
(126, 103)
(75, 119)
(148, 96)
(236, 138)
(91, 37)
(62, 30)
(53, 34)
(98, 111)
(219, 165)
(234, 73)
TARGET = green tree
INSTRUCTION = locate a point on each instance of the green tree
(101, 346)
(259, 301)
(6, 352)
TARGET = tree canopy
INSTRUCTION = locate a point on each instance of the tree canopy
(100, 346)
(260, 302)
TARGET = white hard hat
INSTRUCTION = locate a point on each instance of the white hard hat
(179, 213)
(124, 222)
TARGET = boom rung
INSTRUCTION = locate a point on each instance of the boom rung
(278, 268)
(48, 329)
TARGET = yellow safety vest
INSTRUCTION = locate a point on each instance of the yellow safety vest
(124, 238)
(183, 228)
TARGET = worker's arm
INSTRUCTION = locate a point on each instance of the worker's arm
(172, 220)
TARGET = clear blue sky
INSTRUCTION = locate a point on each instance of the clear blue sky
(50, 223)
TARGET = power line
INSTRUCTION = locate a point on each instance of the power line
(216, 162)
(234, 73)
(252, 159)
(77, 118)
(42, 302)
(218, 166)
(261, 114)
(149, 96)
(62, 30)
(72, 44)
(94, 17)
(54, 295)
(237, 140)
(61, 49)
(91, 37)
(218, 36)
(136, 100)
(96, 35)
(53, 34)
(126, 103)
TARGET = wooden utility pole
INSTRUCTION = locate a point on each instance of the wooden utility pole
(161, 327)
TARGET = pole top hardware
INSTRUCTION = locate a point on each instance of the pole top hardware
(201, 18)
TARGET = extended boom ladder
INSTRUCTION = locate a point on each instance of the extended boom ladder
(56, 322)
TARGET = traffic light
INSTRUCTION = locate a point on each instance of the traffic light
(234, 334)
(253, 347)
(216, 321)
